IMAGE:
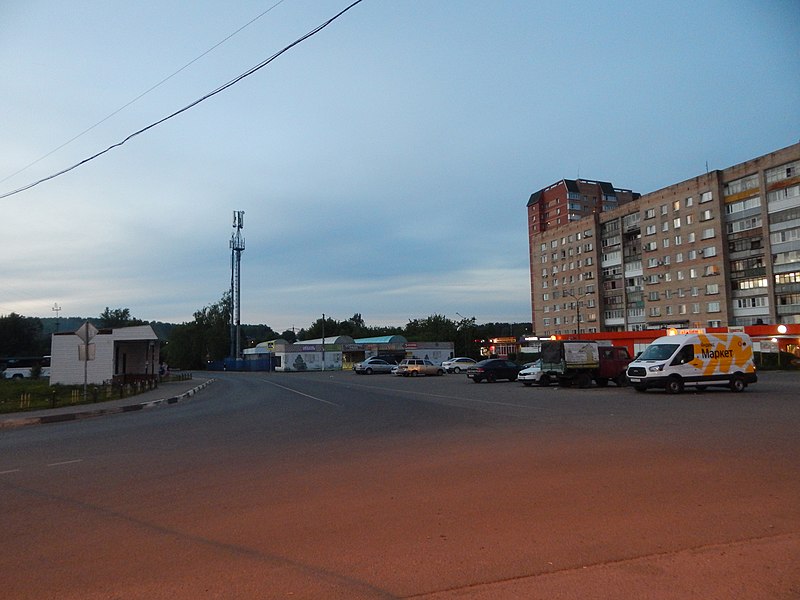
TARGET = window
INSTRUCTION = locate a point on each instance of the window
(752, 302)
(663, 209)
(679, 257)
(692, 254)
(735, 207)
(676, 205)
(709, 251)
(689, 202)
(650, 230)
(786, 171)
(707, 234)
(650, 213)
(711, 270)
(676, 223)
(693, 273)
(678, 240)
(706, 197)
(689, 219)
(744, 224)
(712, 288)
(713, 307)
(787, 235)
(706, 215)
(665, 226)
(665, 243)
(741, 185)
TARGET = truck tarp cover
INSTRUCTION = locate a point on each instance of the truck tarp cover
(573, 353)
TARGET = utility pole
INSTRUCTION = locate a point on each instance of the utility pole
(577, 309)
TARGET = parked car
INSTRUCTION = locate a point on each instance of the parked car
(456, 365)
(493, 369)
(418, 366)
(532, 373)
(373, 365)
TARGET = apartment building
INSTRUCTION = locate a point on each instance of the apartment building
(720, 249)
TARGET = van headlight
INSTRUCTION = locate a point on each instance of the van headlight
(656, 368)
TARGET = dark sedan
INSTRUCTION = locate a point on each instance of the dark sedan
(493, 369)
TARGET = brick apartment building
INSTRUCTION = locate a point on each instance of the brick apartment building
(720, 249)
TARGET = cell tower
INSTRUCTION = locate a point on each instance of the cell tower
(237, 247)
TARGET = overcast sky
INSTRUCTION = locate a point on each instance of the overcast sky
(383, 165)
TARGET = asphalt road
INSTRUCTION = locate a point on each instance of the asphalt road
(333, 485)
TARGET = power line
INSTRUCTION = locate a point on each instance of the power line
(221, 88)
(147, 91)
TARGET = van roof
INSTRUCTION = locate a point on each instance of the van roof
(682, 337)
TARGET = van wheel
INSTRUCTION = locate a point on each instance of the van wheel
(621, 380)
(674, 385)
(544, 380)
(601, 382)
(737, 383)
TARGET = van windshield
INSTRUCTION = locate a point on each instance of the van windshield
(658, 351)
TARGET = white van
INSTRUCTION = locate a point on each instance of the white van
(695, 360)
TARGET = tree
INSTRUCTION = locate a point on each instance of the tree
(119, 317)
(289, 335)
(20, 336)
(329, 328)
(435, 328)
(192, 345)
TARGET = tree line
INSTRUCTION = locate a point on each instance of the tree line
(190, 345)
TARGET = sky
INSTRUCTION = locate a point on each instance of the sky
(383, 164)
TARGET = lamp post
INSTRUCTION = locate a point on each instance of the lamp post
(464, 325)
(781, 330)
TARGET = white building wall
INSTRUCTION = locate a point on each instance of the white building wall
(66, 366)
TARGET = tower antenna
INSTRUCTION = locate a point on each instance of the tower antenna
(237, 247)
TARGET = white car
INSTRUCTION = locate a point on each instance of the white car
(373, 365)
(456, 365)
(533, 374)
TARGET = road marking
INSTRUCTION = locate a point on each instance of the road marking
(300, 393)
(458, 398)
(65, 462)
(9, 471)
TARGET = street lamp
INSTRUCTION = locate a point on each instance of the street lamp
(464, 325)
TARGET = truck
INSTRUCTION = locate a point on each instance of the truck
(579, 362)
(697, 360)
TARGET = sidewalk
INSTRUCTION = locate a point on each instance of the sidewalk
(166, 393)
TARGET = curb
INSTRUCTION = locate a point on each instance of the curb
(98, 412)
